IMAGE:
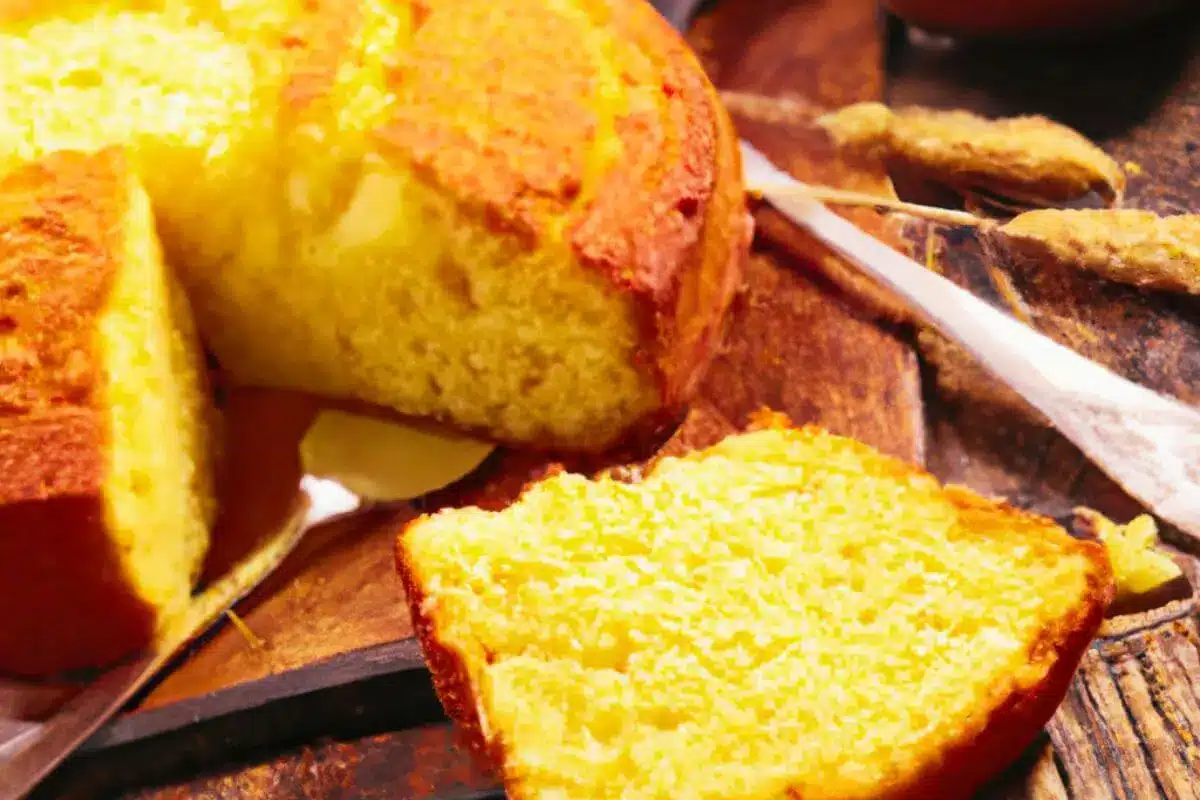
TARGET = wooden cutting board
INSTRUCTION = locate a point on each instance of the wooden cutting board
(806, 337)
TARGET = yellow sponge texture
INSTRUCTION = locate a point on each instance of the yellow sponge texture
(159, 491)
(786, 614)
(316, 258)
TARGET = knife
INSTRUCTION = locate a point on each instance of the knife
(352, 464)
(1146, 442)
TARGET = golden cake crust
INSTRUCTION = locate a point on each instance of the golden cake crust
(60, 226)
(583, 141)
(664, 221)
(1012, 724)
(61, 221)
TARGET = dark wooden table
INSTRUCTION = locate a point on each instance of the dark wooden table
(811, 339)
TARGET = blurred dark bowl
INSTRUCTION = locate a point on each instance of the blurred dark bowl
(1027, 18)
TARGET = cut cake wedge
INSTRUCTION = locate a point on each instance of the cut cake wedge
(785, 614)
(106, 482)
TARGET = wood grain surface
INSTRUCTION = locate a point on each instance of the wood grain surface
(808, 336)
(811, 338)
(420, 763)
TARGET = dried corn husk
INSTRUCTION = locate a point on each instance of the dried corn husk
(1134, 247)
(1027, 161)
(1138, 567)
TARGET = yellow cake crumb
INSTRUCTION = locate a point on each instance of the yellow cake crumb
(360, 208)
(784, 614)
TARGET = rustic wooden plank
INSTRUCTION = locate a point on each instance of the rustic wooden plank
(1124, 729)
(345, 698)
(418, 764)
(798, 351)
(1179, 682)
(390, 659)
(802, 338)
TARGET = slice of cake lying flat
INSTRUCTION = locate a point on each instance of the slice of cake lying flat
(787, 614)
(105, 473)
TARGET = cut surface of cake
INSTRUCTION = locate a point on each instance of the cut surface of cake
(785, 614)
(106, 493)
(364, 202)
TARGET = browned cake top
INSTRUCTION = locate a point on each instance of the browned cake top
(600, 116)
(517, 132)
(597, 126)
(59, 230)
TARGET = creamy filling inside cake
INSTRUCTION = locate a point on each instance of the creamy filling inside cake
(778, 616)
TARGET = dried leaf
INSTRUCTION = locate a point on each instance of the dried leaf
(1134, 247)
(1030, 160)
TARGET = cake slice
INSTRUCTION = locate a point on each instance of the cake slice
(105, 470)
(785, 614)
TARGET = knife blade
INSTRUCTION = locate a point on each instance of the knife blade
(677, 12)
(352, 463)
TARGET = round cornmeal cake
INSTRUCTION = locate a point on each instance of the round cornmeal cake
(522, 218)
